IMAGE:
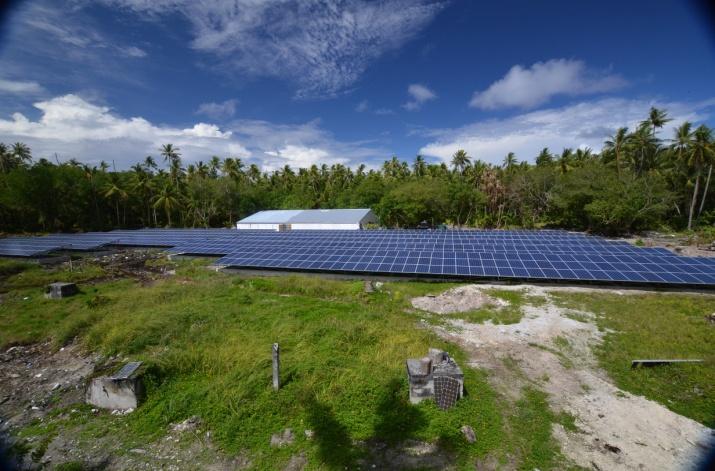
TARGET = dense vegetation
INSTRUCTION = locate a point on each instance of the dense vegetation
(638, 181)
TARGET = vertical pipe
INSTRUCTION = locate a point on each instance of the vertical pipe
(276, 367)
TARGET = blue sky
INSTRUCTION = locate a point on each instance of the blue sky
(354, 81)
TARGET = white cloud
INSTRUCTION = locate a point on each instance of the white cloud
(73, 127)
(530, 87)
(218, 111)
(304, 157)
(20, 87)
(585, 124)
(132, 51)
(419, 95)
(325, 48)
(362, 106)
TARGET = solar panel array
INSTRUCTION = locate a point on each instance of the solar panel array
(522, 255)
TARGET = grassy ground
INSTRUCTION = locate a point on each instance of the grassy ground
(206, 338)
(657, 326)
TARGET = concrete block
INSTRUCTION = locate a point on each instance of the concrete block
(421, 373)
(124, 390)
(60, 290)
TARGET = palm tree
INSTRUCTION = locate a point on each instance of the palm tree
(645, 147)
(419, 166)
(510, 162)
(167, 200)
(616, 144)
(232, 168)
(214, 165)
(21, 152)
(149, 163)
(700, 154)
(565, 160)
(460, 160)
(657, 118)
(544, 158)
(114, 191)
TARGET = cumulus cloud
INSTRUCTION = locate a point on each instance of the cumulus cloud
(530, 87)
(585, 124)
(74, 127)
(325, 48)
(20, 87)
(419, 95)
(218, 111)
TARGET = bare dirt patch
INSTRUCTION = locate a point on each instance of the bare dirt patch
(460, 299)
(34, 379)
(550, 349)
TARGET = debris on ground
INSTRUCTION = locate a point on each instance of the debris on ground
(577, 386)
(460, 299)
(468, 433)
(188, 425)
(282, 439)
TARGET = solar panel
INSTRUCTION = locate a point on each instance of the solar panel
(501, 254)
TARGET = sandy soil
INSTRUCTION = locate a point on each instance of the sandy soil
(460, 299)
(617, 430)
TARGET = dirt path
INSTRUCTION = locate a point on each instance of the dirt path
(552, 351)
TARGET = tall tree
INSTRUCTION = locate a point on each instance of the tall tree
(617, 144)
(460, 160)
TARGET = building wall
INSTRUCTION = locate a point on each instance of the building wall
(307, 226)
(248, 225)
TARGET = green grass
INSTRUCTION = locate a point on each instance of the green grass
(656, 326)
(205, 338)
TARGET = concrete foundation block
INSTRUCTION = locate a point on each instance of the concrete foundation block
(110, 393)
(60, 290)
(421, 373)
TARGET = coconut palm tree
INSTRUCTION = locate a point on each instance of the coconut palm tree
(510, 162)
(565, 160)
(167, 200)
(460, 160)
(115, 192)
(644, 148)
(419, 166)
(544, 158)
(21, 152)
(700, 154)
(657, 119)
(616, 144)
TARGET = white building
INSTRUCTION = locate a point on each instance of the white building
(296, 219)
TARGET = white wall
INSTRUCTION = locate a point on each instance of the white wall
(248, 225)
(306, 226)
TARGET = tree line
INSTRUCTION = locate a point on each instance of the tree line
(637, 181)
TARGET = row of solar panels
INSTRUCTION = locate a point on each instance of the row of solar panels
(536, 255)
(224, 240)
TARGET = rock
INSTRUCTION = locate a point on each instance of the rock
(282, 439)
(468, 433)
(138, 451)
(188, 425)
(711, 318)
(296, 462)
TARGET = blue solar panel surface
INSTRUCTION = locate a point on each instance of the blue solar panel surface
(524, 255)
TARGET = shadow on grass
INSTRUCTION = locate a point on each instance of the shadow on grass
(335, 448)
(398, 420)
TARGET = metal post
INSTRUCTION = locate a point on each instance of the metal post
(276, 367)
